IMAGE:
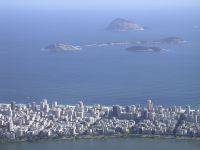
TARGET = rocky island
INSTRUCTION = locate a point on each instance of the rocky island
(61, 47)
(120, 24)
(144, 49)
(170, 40)
(166, 40)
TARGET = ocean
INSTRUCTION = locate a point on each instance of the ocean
(106, 75)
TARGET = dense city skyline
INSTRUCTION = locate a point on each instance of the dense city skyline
(46, 120)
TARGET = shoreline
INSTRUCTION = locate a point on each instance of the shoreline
(81, 137)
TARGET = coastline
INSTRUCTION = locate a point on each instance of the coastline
(80, 137)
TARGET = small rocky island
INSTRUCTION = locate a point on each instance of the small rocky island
(120, 24)
(144, 49)
(61, 47)
(170, 40)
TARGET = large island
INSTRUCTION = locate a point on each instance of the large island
(121, 24)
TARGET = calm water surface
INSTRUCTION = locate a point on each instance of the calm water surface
(107, 144)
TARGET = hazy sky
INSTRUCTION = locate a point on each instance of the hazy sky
(100, 4)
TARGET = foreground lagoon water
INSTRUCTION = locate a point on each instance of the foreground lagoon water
(129, 143)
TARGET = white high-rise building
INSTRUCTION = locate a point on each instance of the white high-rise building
(188, 109)
(45, 101)
(58, 111)
(149, 105)
(81, 106)
(195, 118)
(10, 114)
(55, 103)
(11, 126)
(46, 108)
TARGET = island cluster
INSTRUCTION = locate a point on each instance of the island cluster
(52, 120)
(120, 25)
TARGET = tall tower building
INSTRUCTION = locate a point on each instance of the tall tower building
(144, 114)
(46, 108)
(128, 109)
(55, 103)
(116, 111)
(10, 113)
(13, 103)
(10, 127)
(149, 105)
(58, 112)
(33, 106)
(81, 105)
(43, 103)
(188, 109)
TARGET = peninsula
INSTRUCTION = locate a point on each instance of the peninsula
(28, 122)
